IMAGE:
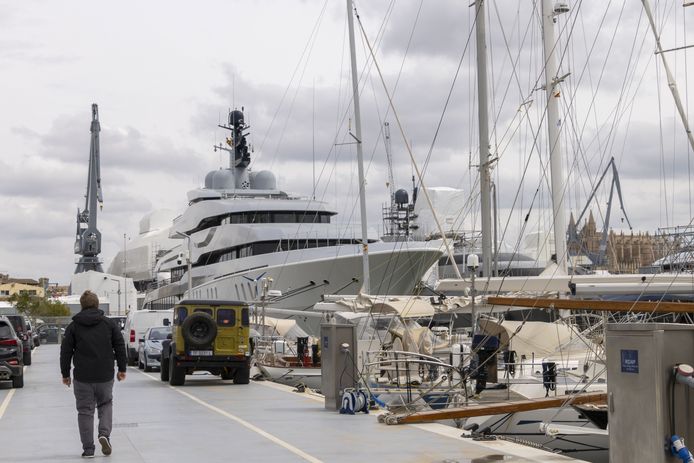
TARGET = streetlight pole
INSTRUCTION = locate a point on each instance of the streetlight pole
(117, 280)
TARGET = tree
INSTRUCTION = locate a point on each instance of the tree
(48, 308)
(34, 306)
(23, 302)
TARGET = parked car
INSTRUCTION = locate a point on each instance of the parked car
(50, 334)
(11, 356)
(33, 335)
(137, 323)
(149, 348)
(20, 327)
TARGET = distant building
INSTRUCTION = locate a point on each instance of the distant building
(56, 290)
(624, 253)
(19, 286)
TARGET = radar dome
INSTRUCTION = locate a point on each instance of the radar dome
(264, 180)
(223, 179)
(401, 196)
(208, 178)
(235, 118)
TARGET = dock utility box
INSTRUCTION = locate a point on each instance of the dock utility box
(208, 336)
(643, 393)
(338, 362)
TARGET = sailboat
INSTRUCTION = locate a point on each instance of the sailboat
(555, 281)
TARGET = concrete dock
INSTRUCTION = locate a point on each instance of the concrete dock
(210, 420)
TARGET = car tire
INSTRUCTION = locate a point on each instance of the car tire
(146, 367)
(131, 361)
(177, 375)
(242, 375)
(27, 358)
(18, 381)
(199, 329)
(228, 373)
(140, 365)
(164, 369)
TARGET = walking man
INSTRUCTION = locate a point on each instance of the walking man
(92, 342)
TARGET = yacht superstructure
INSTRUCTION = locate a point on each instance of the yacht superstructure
(240, 229)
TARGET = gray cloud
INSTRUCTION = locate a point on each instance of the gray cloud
(161, 110)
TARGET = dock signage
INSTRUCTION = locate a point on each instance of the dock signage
(630, 360)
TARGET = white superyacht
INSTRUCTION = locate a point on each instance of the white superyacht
(240, 231)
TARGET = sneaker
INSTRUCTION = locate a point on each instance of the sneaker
(88, 454)
(105, 445)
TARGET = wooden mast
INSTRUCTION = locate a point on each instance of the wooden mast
(585, 304)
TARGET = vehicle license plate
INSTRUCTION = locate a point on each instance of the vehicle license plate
(200, 352)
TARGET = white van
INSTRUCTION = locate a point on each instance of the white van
(137, 322)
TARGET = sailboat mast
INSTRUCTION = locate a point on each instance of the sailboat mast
(360, 154)
(672, 85)
(554, 123)
(485, 176)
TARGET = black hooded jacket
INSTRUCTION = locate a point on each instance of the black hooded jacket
(92, 342)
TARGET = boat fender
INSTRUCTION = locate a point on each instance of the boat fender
(549, 377)
(354, 401)
(510, 361)
(679, 450)
(684, 374)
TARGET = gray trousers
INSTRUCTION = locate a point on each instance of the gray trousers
(88, 396)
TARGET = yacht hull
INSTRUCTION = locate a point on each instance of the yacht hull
(303, 282)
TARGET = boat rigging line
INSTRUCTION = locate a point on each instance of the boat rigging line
(407, 145)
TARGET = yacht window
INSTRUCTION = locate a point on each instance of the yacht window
(324, 218)
(177, 273)
(262, 217)
(285, 217)
(307, 217)
(238, 295)
(243, 251)
(215, 293)
(264, 248)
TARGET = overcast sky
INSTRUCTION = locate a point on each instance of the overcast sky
(165, 73)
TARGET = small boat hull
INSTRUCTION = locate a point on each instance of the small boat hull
(293, 376)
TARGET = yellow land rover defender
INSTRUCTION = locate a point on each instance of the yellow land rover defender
(207, 335)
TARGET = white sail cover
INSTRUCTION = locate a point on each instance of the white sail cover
(539, 338)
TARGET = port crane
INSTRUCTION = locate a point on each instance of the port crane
(601, 257)
(88, 237)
